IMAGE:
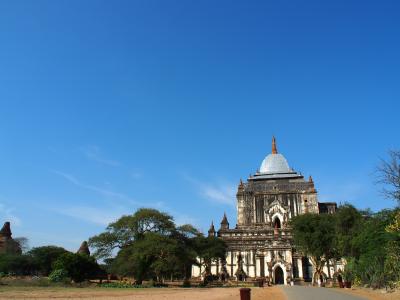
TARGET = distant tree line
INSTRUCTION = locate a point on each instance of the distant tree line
(55, 262)
(150, 246)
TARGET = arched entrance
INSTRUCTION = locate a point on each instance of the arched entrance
(277, 226)
(277, 223)
(279, 279)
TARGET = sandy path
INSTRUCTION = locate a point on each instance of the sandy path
(140, 294)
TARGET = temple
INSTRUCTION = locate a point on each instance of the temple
(7, 244)
(261, 243)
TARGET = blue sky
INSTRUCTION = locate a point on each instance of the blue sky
(107, 106)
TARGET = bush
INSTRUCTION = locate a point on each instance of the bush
(58, 275)
(349, 270)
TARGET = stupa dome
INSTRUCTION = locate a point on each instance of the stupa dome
(275, 162)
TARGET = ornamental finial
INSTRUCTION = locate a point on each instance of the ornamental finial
(274, 150)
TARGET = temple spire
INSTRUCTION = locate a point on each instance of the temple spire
(6, 230)
(84, 249)
(274, 150)
(211, 231)
(224, 222)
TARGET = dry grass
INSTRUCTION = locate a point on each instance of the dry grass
(372, 294)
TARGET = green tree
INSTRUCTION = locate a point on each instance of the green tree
(209, 249)
(348, 222)
(152, 257)
(156, 256)
(129, 228)
(371, 241)
(314, 236)
(44, 257)
(151, 246)
(78, 267)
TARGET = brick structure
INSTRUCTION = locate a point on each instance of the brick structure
(7, 244)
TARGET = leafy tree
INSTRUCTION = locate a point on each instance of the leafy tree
(148, 257)
(152, 247)
(186, 252)
(78, 267)
(209, 249)
(130, 262)
(314, 235)
(155, 256)
(44, 257)
(348, 222)
(371, 241)
(188, 231)
(129, 228)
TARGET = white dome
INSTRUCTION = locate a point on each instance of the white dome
(275, 163)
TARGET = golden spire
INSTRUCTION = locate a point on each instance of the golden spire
(274, 150)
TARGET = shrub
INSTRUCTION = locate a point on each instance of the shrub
(348, 273)
(58, 275)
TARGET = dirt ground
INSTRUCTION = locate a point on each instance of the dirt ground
(139, 294)
(372, 294)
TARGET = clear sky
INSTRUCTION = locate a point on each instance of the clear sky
(107, 106)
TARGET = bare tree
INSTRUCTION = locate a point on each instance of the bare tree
(389, 175)
(23, 243)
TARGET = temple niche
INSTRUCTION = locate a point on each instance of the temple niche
(261, 244)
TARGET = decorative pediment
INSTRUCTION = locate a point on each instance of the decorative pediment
(276, 207)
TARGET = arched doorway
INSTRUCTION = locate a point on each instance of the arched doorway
(277, 223)
(277, 226)
(279, 279)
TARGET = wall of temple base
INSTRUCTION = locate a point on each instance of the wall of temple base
(268, 265)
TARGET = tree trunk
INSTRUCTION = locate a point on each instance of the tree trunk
(329, 269)
(319, 265)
